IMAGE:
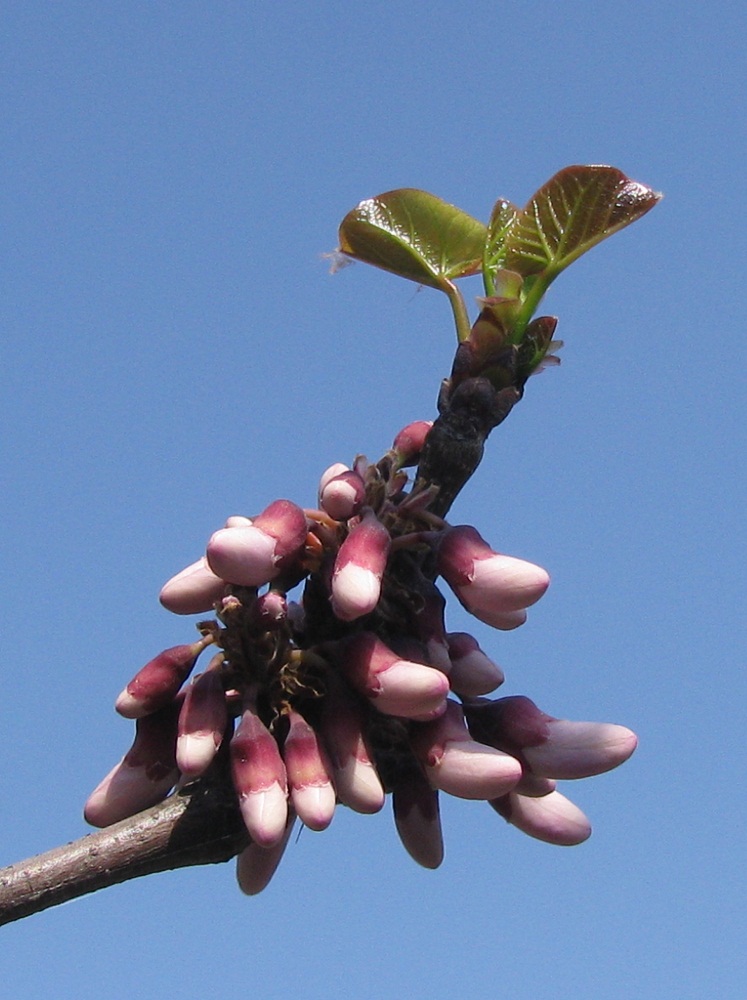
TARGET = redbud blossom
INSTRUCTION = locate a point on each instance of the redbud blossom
(551, 748)
(488, 584)
(359, 567)
(456, 764)
(330, 473)
(259, 779)
(429, 625)
(343, 495)
(416, 816)
(256, 865)
(355, 777)
(308, 767)
(202, 722)
(156, 684)
(145, 774)
(410, 441)
(395, 686)
(253, 555)
(472, 673)
(552, 818)
(193, 591)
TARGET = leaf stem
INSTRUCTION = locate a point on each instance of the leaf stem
(459, 309)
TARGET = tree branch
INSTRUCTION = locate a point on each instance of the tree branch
(199, 825)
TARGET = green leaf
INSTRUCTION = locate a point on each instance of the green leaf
(501, 220)
(416, 235)
(574, 210)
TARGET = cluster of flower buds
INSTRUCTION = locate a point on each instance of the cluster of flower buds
(355, 689)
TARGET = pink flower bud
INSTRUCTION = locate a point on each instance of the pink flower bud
(409, 442)
(269, 611)
(308, 767)
(359, 567)
(156, 684)
(580, 749)
(395, 686)
(343, 495)
(551, 748)
(202, 722)
(238, 521)
(357, 783)
(259, 779)
(145, 774)
(416, 816)
(330, 473)
(472, 673)
(253, 555)
(534, 786)
(552, 818)
(489, 585)
(256, 865)
(456, 764)
(193, 591)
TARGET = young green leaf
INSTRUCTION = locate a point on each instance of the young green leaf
(416, 235)
(501, 220)
(574, 210)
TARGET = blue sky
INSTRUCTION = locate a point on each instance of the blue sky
(174, 351)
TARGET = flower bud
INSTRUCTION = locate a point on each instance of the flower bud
(429, 624)
(343, 495)
(410, 441)
(252, 555)
(259, 779)
(269, 611)
(330, 473)
(202, 722)
(416, 816)
(551, 748)
(489, 585)
(552, 818)
(256, 865)
(145, 774)
(308, 767)
(472, 673)
(456, 764)
(156, 684)
(359, 568)
(355, 777)
(395, 686)
(193, 591)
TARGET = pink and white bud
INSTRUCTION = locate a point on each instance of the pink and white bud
(269, 611)
(395, 686)
(359, 568)
(143, 777)
(417, 819)
(252, 555)
(456, 764)
(551, 748)
(202, 722)
(309, 769)
(552, 818)
(472, 673)
(260, 780)
(193, 591)
(343, 495)
(410, 441)
(256, 865)
(534, 786)
(156, 684)
(330, 473)
(580, 749)
(491, 586)
(355, 777)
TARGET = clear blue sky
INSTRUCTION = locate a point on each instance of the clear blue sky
(174, 351)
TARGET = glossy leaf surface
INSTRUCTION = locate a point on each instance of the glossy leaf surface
(416, 235)
(502, 218)
(573, 211)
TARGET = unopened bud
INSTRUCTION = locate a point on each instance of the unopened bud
(259, 779)
(552, 818)
(193, 591)
(156, 684)
(252, 555)
(359, 568)
(410, 441)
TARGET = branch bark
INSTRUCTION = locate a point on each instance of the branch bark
(199, 825)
